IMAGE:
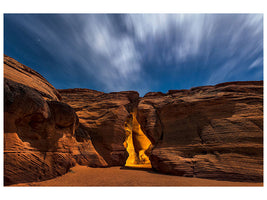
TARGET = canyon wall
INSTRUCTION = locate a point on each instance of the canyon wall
(209, 132)
(39, 130)
(103, 117)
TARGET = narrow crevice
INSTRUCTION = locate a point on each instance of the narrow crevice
(194, 168)
(158, 120)
(137, 144)
(200, 135)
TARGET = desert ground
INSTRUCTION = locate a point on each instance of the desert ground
(118, 176)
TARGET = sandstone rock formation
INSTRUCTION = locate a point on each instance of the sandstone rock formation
(137, 144)
(19, 73)
(209, 132)
(103, 117)
(39, 130)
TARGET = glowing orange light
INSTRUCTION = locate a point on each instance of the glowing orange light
(137, 145)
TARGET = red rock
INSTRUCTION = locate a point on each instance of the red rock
(39, 130)
(103, 117)
(19, 73)
(209, 132)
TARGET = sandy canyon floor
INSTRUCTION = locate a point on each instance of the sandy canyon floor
(117, 176)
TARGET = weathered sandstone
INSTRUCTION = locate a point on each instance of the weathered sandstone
(207, 132)
(19, 73)
(210, 132)
(39, 130)
(103, 117)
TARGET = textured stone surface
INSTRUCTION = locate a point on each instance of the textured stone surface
(209, 132)
(19, 73)
(39, 130)
(103, 118)
(137, 144)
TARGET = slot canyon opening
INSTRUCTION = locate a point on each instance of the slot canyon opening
(137, 144)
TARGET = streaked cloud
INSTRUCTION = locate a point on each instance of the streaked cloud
(144, 52)
(256, 63)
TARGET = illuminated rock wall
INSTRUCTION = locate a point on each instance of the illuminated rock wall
(137, 144)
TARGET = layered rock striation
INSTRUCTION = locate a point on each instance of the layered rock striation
(39, 130)
(208, 132)
(103, 117)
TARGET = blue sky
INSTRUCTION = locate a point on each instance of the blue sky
(142, 52)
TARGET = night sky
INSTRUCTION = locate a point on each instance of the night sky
(137, 52)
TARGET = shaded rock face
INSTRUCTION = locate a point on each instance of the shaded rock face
(103, 118)
(31, 137)
(208, 132)
(39, 131)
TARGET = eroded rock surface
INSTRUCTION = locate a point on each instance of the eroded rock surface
(137, 144)
(39, 131)
(103, 118)
(209, 132)
(19, 73)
